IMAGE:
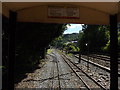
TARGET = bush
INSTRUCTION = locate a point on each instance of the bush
(107, 47)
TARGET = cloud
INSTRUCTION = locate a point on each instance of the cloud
(73, 26)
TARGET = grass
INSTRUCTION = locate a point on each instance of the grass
(2, 67)
(49, 51)
(69, 54)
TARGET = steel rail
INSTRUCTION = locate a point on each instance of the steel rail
(86, 74)
(77, 75)
(98, 65)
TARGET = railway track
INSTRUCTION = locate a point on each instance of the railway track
(97, 64)
(58, 75)
(88, 81)
(101, 57)
(55, 72)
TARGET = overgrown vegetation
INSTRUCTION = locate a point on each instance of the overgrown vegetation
(49, 51)
(92, 39)
(32, 39)
(67, 42)
(97, 38)
(31, 43)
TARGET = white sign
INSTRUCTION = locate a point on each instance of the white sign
(63, 12)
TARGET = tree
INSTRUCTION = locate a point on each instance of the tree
(94, 36)
(65, 38)
(31, 41)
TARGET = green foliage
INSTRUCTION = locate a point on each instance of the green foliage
(31, 41)
(107, 47)
(119, 38)
(1, 67)
(70, 37)
(95, 36)
(69, 54)
(71, 47)
(61, 41)
(49, 51)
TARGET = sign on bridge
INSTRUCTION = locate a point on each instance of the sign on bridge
(63, 12)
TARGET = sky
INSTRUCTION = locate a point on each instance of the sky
(74, 28)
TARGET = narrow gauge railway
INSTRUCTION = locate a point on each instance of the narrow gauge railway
(97, 69)
(100, 61)
(86, 79)
(62, 71)
(102, 58)
(55, 74)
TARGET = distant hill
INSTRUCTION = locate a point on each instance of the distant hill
(65, 38)
(70, 37)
